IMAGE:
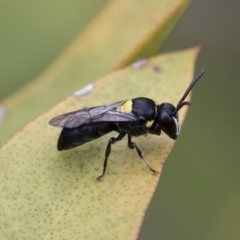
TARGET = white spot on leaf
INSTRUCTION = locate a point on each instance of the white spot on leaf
(139, 64)
(2, 114)
(84, 91)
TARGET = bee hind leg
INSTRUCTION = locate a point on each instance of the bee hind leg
(108, 151)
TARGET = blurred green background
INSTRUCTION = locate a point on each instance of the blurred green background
(198, 196)
(199, 192)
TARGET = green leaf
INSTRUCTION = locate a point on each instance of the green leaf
(46, 194)
(123, 32)
(33, 33)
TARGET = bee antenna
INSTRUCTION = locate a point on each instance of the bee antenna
(181, 102)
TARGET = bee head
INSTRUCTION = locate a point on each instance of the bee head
(167, 114)
(168, 120)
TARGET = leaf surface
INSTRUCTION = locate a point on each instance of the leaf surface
(47, 194)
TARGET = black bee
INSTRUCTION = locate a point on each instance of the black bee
(135, 117)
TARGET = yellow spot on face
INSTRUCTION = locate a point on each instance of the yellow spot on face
(127, 106)
(149, 124)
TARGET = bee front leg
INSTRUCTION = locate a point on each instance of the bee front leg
(133, 145)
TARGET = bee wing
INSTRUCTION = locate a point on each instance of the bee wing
(104, 113)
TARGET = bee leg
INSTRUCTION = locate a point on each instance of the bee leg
(133, 145)
(108, 151)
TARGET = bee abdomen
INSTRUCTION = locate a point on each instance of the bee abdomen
(73, 137)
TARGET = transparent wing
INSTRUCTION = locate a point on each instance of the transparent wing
(104, 113)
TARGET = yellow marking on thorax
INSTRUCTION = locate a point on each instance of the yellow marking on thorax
(127, 106)
(149, 123)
